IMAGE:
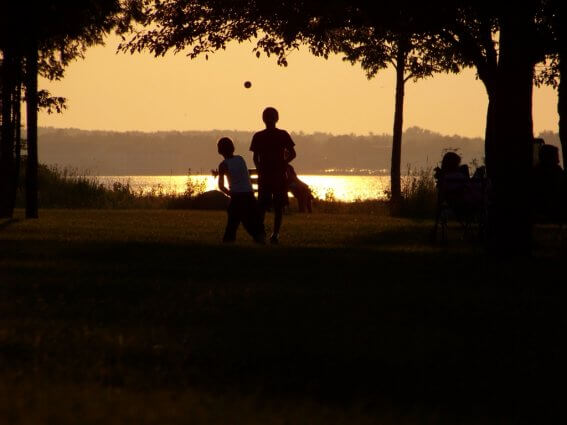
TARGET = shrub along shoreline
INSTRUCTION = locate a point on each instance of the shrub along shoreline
(67, 188)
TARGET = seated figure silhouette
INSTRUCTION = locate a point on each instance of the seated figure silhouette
(549, 185)
(453, 181)
(460, 194)
(300, 190)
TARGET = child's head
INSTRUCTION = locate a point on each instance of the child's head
(270, 116)
(225, 147)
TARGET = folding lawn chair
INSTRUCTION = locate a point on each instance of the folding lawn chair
(462, 198)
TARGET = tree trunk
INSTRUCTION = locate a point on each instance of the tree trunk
(510, 221)
(562, 102)
(18, 131)
(489, 135)
(7, 162)
(395, 168)
(31, 110)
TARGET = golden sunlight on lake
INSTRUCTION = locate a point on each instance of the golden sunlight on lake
(342, 188)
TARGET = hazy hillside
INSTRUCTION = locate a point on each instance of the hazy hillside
(173, 152)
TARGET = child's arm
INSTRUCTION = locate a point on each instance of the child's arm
(222, 171)
(291, 154)
(254, 150)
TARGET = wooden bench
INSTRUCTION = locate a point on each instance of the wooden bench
(304, 204)
(254, 178)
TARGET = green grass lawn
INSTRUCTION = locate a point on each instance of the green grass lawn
(144, 317)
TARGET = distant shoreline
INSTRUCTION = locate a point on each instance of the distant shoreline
(174, 153)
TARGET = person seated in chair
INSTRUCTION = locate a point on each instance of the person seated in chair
(465, 195)
(549, 186)
(452, 178)
(457, 192)
(300, 190)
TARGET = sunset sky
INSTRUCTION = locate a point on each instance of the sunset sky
(110, 91)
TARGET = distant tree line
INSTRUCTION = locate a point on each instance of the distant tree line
(173, 152)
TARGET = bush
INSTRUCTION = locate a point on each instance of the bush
(419, 194)
(67, 188)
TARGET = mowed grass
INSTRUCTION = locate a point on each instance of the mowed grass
(144, 317)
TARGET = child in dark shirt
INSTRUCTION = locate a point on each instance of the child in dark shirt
(273, 149)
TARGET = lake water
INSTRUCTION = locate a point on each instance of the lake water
(343, 188)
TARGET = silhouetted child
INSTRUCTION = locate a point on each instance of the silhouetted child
(242, 206)
(300, 190)
(273, 150)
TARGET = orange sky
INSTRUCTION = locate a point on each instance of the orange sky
(110, 91)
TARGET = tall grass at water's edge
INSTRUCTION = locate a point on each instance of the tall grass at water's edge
(419, 194)
(419, 199)
(67, 188)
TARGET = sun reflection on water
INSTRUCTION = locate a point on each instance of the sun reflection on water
(341, 188)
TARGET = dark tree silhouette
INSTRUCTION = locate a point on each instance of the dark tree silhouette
(555, 65)
(390, 35)
(56, 33)
(503, 42)
(32, 103)
(413, 55)
(10, 67)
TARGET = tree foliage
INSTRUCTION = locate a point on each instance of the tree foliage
(502, 41)
(202, 27)
(40, 38)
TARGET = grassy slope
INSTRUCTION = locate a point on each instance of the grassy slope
(144, 317)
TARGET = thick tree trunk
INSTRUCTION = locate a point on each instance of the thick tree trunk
(18, 131)
(395, 168)
(7, 162)
(562, 89)
(31, 110)
(562, 102)
(510, 221)
(17, 135)
(489, 135)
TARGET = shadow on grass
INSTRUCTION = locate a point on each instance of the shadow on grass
(415, 234)
(418, 235)
(4, 223)
(439, 330)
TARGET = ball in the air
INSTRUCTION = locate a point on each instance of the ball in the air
(247, 84)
